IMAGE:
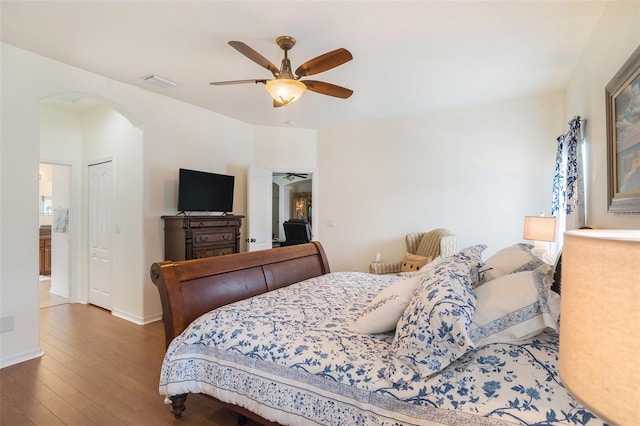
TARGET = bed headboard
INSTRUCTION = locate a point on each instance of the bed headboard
(191, 288)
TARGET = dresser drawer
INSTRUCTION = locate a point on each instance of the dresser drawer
(210, 252)
(200, 223)
(207, 238)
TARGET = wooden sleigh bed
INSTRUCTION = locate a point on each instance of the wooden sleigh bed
(191, 290)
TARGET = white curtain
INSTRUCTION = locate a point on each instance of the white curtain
(568, 204)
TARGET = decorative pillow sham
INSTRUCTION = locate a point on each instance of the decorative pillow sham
(413, 262)
(383, 312)
(433, 330)
(509, 260)
(514, 307)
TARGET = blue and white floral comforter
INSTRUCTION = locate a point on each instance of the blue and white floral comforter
(288, 355)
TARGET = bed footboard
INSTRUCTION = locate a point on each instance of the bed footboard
(191, 288)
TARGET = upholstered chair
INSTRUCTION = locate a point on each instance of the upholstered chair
(437, 242)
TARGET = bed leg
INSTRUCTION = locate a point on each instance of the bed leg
(177, 404)
(242, 420)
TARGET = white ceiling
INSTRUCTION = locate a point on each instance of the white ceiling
(409, 57)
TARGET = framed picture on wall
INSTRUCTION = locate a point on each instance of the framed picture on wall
(623, 137)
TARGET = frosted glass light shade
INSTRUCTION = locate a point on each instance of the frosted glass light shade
(600, 322)
(539, 228)
(285, 90)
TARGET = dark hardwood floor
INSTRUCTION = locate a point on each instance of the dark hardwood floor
(97, 370)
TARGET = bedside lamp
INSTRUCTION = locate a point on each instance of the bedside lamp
(600, 322)
(540, 230)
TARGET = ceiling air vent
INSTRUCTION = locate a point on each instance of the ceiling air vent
(159, 81)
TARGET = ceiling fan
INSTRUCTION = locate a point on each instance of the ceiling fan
(292, 176)
(285, 87)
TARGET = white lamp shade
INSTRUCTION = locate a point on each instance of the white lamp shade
(600, 322)
(285, 90)
(539, 228)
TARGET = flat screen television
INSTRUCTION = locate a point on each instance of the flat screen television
(205, 192)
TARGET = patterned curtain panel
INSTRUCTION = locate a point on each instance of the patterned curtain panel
(568, 183)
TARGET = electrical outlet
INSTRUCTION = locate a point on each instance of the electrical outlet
(6, 324)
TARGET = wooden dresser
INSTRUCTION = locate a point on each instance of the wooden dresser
(195, 237)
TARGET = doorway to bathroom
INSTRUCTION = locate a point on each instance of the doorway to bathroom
(54, 197)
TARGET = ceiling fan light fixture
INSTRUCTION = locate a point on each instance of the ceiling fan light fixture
(285, 90)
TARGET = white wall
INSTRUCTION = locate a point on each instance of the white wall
(476, 171)
(281, 148)
(614, 40)
(60, 135)
(19, 158)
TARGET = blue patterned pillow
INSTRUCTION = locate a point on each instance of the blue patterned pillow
(433, 329)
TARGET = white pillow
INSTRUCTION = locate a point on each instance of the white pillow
(384, 310)
(509, 260)
(514, 307)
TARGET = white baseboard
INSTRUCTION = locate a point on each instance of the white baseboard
(135, 318)
(58, 293)
(16, 359)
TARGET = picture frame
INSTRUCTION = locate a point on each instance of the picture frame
(623, 137)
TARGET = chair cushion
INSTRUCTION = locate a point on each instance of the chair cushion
(413, 262)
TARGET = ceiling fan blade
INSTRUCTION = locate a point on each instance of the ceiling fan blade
(324, 62)
(328, 89)
(255, 57)
(224, 83)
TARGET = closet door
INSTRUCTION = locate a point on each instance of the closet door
(101, 235)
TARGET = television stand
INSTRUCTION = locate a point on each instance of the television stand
(195, 237)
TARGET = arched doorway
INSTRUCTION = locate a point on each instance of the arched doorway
(80, 130)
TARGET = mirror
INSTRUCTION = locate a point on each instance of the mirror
(46, 205)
